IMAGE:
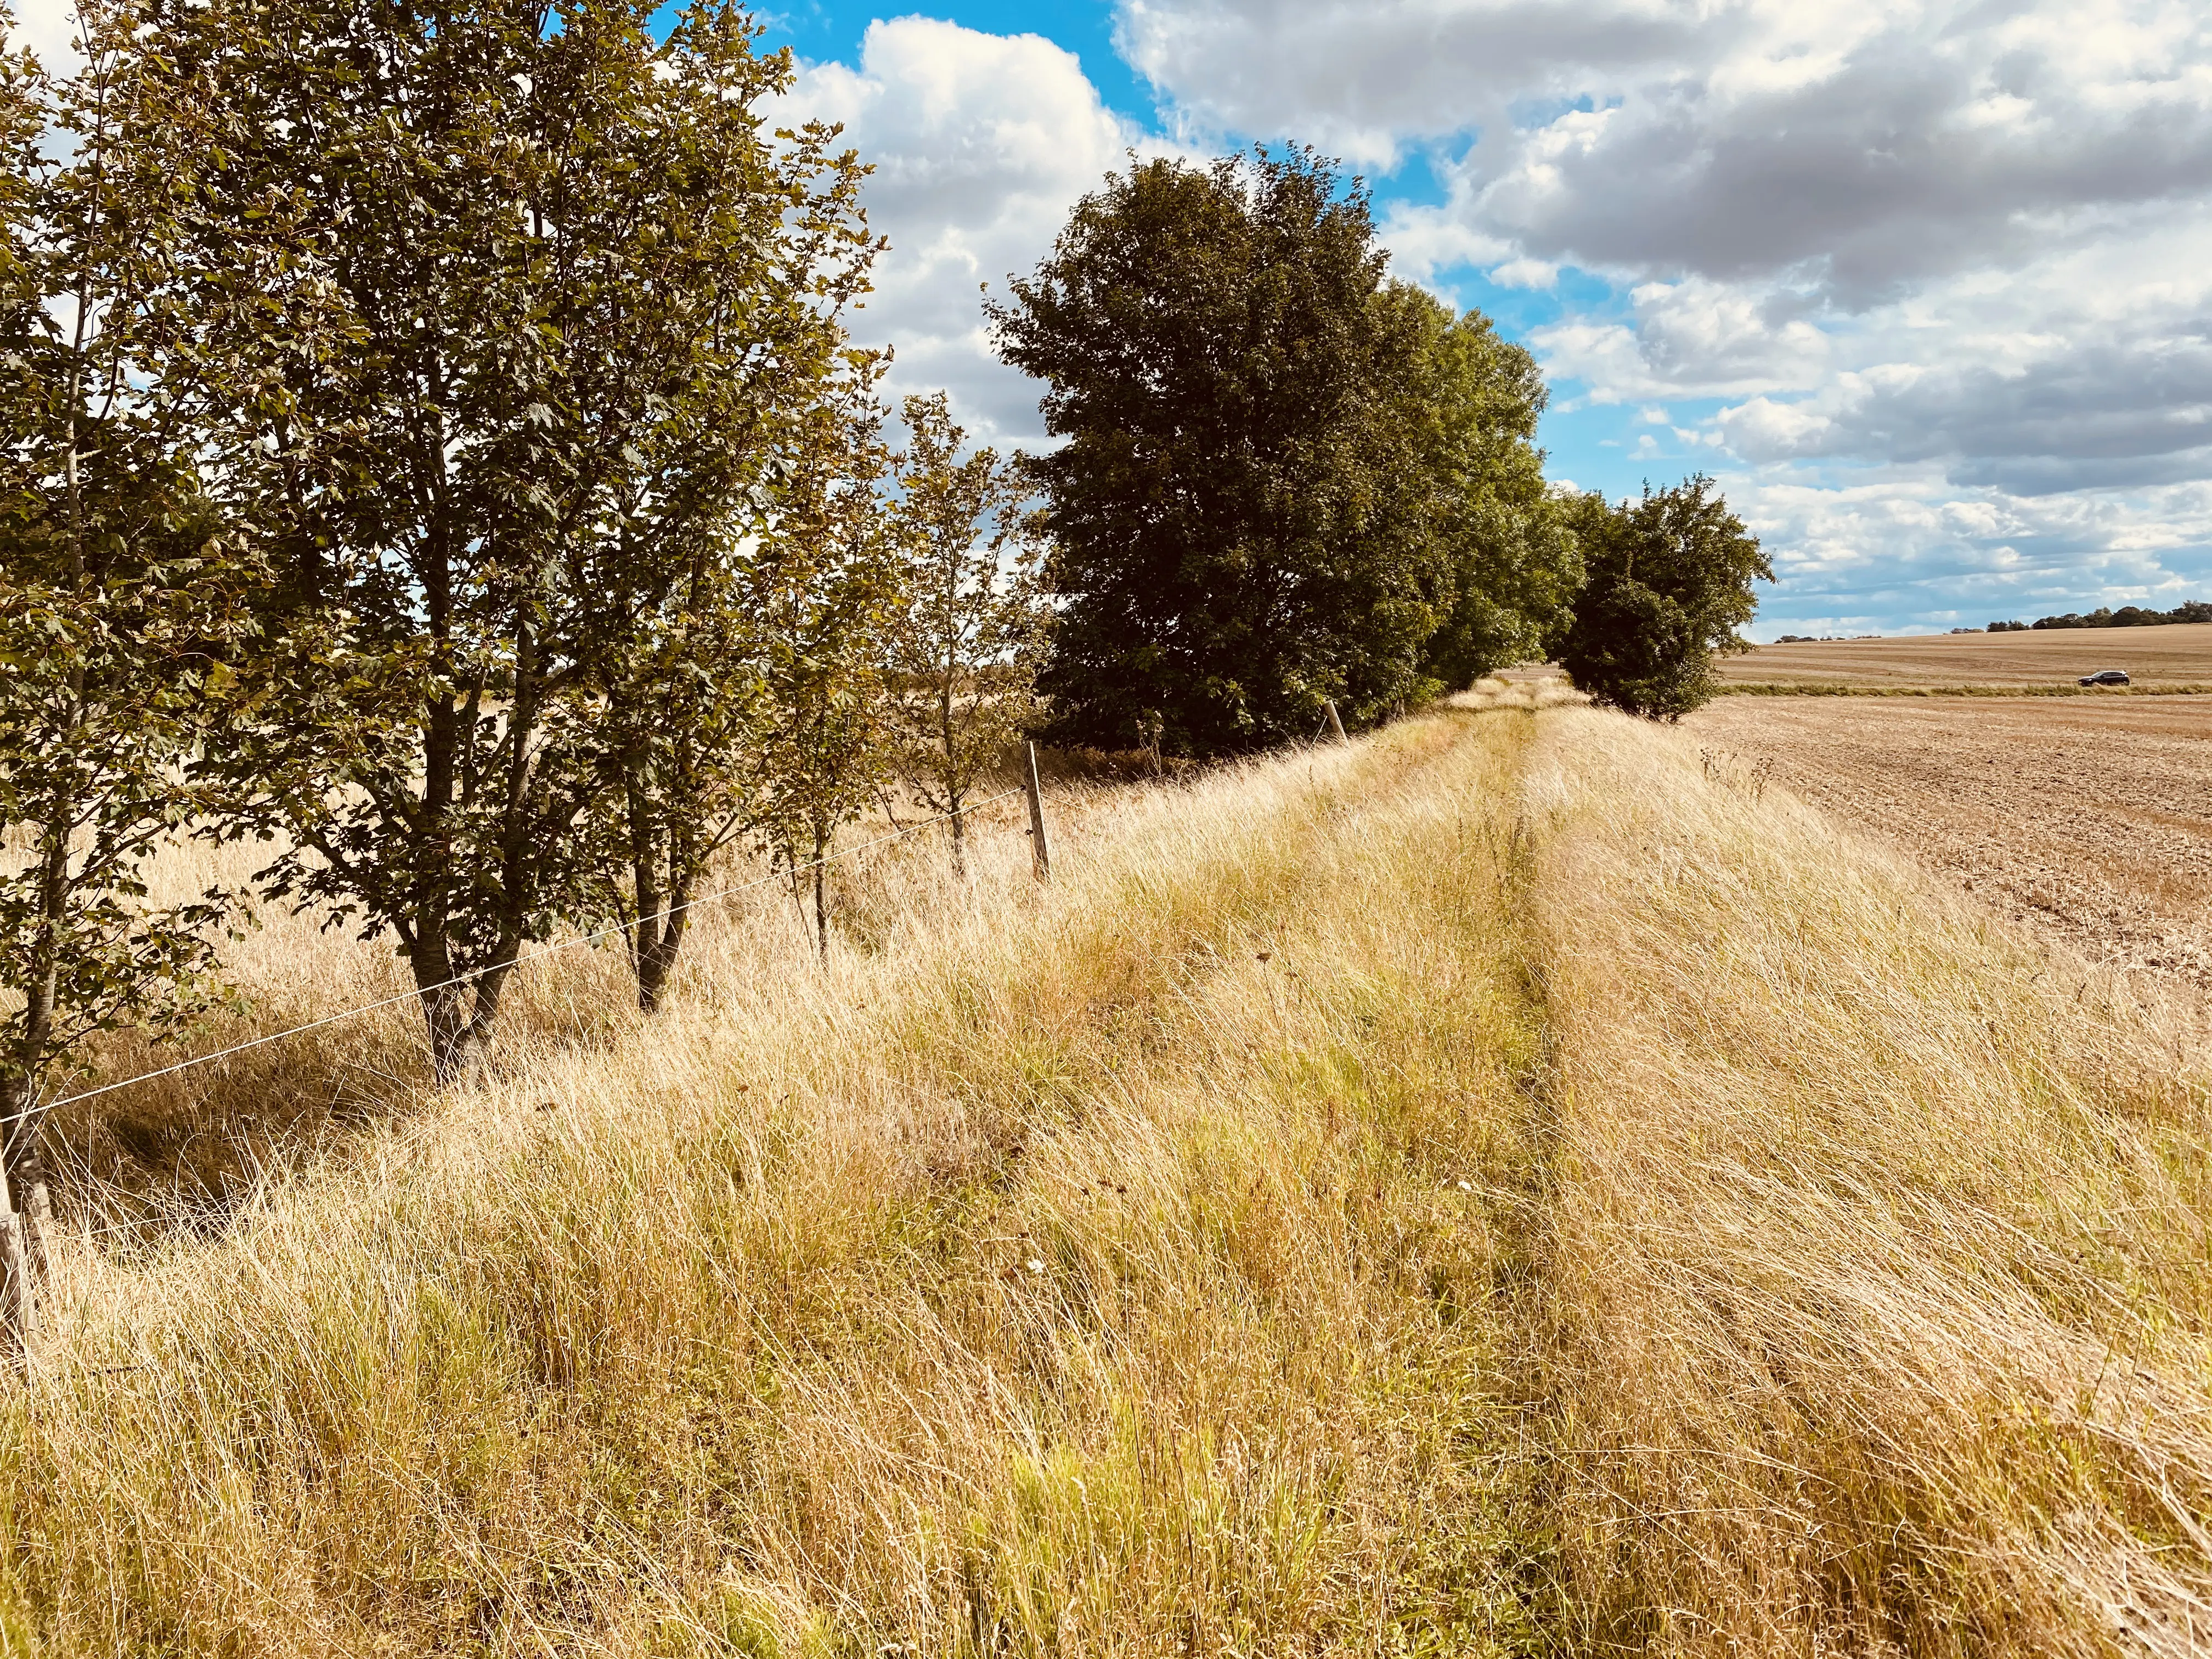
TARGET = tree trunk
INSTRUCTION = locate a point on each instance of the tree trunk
(953, 769)
(655, 935)
(24, 1201)
(644, 888)
(18, 1297)
(820, 894)
(656, 957)
(658, 945)
(455, 1054)
(461, 1018)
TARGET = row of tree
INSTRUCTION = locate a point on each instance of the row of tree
(434, 446)
(431, 444)
(1287, 480)
(2128, 615)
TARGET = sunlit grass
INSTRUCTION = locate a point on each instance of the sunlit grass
(1504, 1185)
(1104, 1268)
(1878, 1249)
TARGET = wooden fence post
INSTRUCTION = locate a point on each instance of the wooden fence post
(1335, 725)
(1040, 848)
(17, 1298)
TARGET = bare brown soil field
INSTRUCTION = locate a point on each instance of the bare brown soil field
(2089, 819)
(2179, 652)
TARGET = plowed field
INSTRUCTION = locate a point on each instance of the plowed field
(2088, 818)
(2176, 655)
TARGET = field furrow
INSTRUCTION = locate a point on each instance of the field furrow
(2090, 821)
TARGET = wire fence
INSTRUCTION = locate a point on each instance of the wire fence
(521, 960)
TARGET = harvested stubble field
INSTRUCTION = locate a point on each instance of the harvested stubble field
(2175, 655)
(2088, 819)
(1498, 1187)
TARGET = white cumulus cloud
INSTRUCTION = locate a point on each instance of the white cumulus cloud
(980, 145)
(1863, 143)
(1856, 554)
(1691, 339)
(48, 28)
(1949, 263)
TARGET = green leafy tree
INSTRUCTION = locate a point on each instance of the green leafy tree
(686, 701)
(561, 248)
(703, 693)
(1670, 585)
(1505, 565)
(1229, 388)
(966, 642)
(110, 675)
(123, 594)
(719, 368)
(829, 587)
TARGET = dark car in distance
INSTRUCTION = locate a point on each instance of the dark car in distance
(2106, 676)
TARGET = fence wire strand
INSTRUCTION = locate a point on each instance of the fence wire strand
(592, 938)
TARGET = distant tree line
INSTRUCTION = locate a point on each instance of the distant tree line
(2128, 615)
(435, 450)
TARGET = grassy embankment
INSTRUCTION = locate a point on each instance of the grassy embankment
(1879, 1246)
(1094, 1270)
(1491, 1187)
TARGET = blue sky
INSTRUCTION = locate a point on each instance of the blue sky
(1926, 286)
(1591, 445)
(818, 32)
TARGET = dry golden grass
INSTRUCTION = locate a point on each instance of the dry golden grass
(1524, 694)
(1105, 1269)
(1879, 1252)
(1497, 1187)
(189, 1146)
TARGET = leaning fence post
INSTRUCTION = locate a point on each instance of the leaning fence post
(1334, 724)
(1040, 848)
